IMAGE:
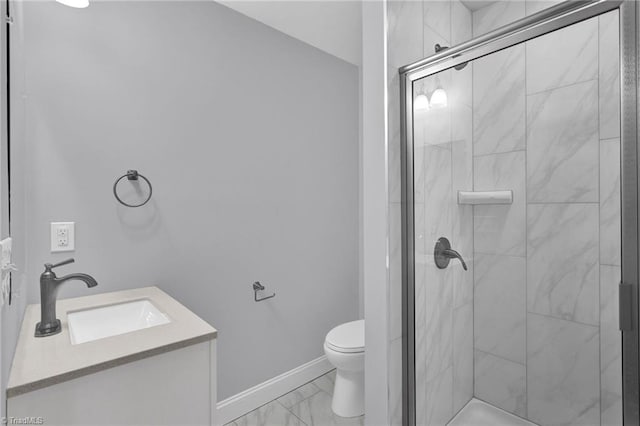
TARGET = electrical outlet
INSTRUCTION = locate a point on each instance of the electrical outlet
(62, 236)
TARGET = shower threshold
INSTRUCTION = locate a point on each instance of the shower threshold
(479, 413)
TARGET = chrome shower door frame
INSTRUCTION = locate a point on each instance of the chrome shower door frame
(546, 21)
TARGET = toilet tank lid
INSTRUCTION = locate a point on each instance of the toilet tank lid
(349, 335)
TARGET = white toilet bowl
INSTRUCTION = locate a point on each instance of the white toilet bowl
(344, 347)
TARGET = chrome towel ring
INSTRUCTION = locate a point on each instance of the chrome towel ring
(132, 175)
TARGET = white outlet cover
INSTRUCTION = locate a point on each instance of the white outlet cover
(71, 236)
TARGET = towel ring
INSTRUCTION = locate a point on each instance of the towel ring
(132, 175)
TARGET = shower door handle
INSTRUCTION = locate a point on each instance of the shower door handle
(443, 253)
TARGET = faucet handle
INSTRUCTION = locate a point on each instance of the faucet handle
(49, 266)
(443, 253)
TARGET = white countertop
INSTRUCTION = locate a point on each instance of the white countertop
(44, 361)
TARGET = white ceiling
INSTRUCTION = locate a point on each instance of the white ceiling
(333, 26)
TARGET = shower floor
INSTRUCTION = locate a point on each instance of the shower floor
(479, 413)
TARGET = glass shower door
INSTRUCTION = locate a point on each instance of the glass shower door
(517, 233)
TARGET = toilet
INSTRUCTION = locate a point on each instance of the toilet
(344, 347)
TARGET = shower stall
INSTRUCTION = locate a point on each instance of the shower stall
(520, 223)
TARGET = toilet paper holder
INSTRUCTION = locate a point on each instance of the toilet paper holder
(259, 287)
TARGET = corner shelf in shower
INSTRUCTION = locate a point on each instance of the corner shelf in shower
(485, 197)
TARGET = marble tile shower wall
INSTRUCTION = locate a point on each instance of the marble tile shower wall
(544, 338)
(444, 298)
(546, 125)
(443, 166)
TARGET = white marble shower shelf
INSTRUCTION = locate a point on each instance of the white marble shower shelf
(485, 197)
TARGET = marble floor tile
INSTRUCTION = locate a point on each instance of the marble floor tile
(501, 229)
(609, 75)
(312, 401)
(499, 105)
(563, 57)
(563, 372)
(500, 306)
(500, 382)
(298, 395)
(562, 261)
(562, 144)
(271, 414)
(316, 411)
(610, 208)
(326, 382)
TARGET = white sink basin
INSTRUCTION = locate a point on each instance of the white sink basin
(98, 323)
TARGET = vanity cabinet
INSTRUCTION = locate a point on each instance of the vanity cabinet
(158, 376)
(172, 388)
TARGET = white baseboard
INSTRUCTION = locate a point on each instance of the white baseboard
(252, 398)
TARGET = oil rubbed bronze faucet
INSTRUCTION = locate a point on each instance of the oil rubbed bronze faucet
(49, 284)
(443, 253)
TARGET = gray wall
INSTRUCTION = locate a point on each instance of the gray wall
(250, 139)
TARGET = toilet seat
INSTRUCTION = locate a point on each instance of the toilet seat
(347, 337)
